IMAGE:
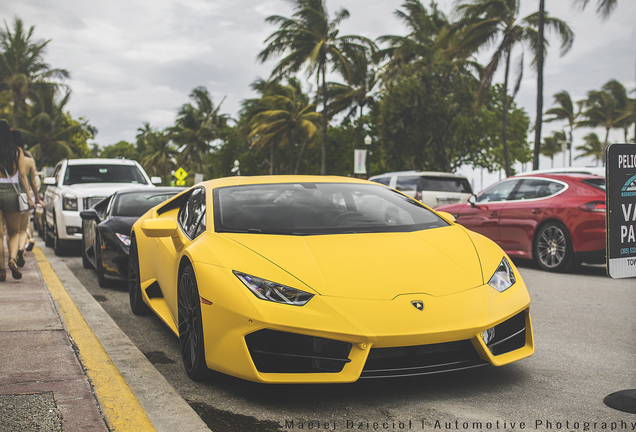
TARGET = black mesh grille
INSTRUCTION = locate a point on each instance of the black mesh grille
(280, 352)
(421, 359)
(510, 335)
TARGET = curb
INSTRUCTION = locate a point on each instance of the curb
(119, 404)
(132, 393)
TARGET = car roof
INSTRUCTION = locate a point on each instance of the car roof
(597, 171)
(154, 190)
(419, 173)
(96, 161)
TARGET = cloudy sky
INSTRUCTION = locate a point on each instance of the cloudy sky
(135, 61)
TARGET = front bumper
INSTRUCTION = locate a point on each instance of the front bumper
(339, 340)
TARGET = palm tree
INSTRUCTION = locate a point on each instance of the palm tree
(624, 105)
(600, 109)
(22, 64)
(603, 7)
(592, 147)
(288, 115)
(567, 38)
(311, 37)
(356, 95)
(482, 23)
(158, 155)
(564, 111)
(49, 133)
(552, 145)
(197, 126)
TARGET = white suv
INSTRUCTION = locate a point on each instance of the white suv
(428, 187)
(78, 184)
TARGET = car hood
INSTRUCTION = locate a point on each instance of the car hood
(380, 266)
(100, 189)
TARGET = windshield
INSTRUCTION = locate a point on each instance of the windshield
(598, 183)
(103, 174)
(318, 208)
(138, 203)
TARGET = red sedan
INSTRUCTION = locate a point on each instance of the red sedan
(558, 220)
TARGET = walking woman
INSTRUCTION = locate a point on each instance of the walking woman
(12, 169)
(26, 231)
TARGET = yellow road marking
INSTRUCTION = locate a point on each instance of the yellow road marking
(120, 406)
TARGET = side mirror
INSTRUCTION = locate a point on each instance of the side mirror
(472, 200)
(159, 227)
(49, 181)
(447, 216)
(156, 180)
(89, 215)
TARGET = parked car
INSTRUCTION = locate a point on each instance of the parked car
(429, 188)
(78, 184)
(106, 229)
(598, 171)
(271, 279)
(558, 220)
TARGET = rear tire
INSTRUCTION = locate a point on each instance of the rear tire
(99, 264)
(86, 263)
(137, 304)
(190, 326)
(553, 248)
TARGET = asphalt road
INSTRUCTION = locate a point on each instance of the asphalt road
(585, 335)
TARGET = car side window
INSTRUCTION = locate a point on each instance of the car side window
(499, 192)
(383, 180)
(536, 188)
(191, 216)
(407, 183)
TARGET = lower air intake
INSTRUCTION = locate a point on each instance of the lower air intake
(274, 351)
(421, 360)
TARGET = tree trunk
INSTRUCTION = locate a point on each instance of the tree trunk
(323, 162)
(291, 150)
(504, 118)
(539, 120)
(300, 155)
(16, 108)
(271, 157)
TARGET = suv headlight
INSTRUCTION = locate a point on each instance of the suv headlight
(69, 202)
(504, 277)
(272, 291)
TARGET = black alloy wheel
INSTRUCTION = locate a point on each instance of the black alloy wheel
(190, 326)
(137, 304)
(553, 248)
(58, 246)
(48, 234)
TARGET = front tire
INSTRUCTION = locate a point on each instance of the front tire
(48, 234)
(134, 282)
(190, 326)
(553, 248)
(58, 246)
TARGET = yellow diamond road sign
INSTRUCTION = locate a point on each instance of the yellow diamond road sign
(180, 174)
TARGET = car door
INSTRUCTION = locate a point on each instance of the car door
(191, 222)
(482, 216)
(524, 212)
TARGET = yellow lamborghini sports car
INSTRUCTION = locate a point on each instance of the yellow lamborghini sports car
(303, 279)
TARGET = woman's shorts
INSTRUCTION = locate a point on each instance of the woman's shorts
(8, 198)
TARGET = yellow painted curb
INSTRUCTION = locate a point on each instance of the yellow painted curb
(120, 406)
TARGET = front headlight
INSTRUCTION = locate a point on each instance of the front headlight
(503, 278)
(124, 239)
(272, 291)
(69, 202)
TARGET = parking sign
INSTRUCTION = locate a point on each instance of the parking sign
(620, 198)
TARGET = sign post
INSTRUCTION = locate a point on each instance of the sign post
(620, 224)
(620, 200)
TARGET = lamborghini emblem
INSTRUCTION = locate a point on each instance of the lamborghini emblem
(418, 304)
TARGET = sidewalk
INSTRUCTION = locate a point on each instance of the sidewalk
(56, 375)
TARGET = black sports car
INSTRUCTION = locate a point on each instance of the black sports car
(106, 229)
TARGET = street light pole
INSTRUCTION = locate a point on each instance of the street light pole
(367, 142)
